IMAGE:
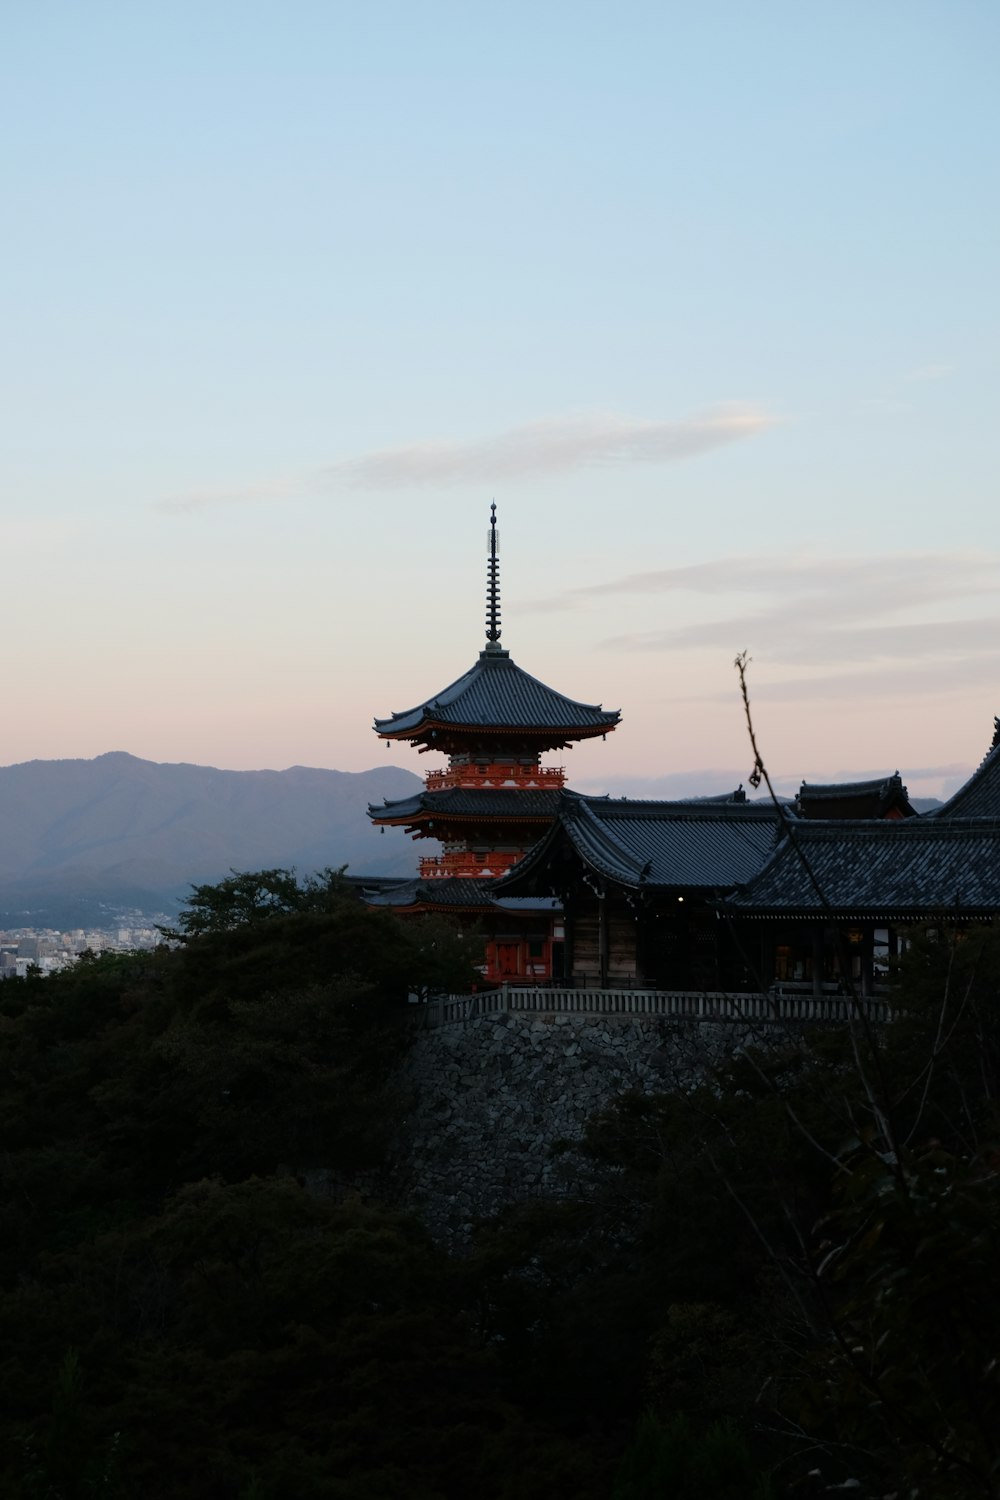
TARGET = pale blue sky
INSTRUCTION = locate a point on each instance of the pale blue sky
(704, 296)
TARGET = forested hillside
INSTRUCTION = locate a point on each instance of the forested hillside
(783, 1284)
(130, 832)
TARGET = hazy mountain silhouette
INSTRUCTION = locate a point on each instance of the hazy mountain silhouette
(117, 830)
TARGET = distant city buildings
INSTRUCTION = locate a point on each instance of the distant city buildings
(47, 950)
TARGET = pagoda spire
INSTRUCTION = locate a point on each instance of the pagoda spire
(493, 586)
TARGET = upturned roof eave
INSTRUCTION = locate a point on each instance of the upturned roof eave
(530, 864)
(420, 896)
(559, 732)
(581, 821)
(608, 865)
(495, 678)
(535, 805)
(449, 907)
(989, 766)
(428, 815)
(930, 913)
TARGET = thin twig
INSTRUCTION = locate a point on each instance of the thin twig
(877, 1098)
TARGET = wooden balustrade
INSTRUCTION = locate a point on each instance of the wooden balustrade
(467, 865)
(691, 1005)
(497, 775)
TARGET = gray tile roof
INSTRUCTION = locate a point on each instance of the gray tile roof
(980, 796)
(705, 844)
(528, 903)
(454, 895)
(844, 789)
(913, 868)
(496, 693)
(470, 802)
(855, 799)
(447, 894)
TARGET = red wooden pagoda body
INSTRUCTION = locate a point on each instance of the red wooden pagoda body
(493, 800)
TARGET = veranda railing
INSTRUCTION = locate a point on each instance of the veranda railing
(692, 1005)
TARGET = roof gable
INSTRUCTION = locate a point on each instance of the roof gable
(710, 845)
(881, 797)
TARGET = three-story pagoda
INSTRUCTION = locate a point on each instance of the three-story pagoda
(494, 798)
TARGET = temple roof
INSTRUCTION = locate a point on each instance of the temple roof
(855, 799)
(468, 804)
(446, 894)
(980, 796)
(495, 694)
(453, 895)
(912, 868)
(709, 843)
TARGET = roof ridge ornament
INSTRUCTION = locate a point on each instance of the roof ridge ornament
(493, 585)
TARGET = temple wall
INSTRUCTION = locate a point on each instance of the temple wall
(586, 960)
(622, 965)
(492, 1096)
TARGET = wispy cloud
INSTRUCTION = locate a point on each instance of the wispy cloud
(805, 572)
(799, 589)
(919, 682)
(897, 398)
(536, 449)
(929, 372)
(870, 627)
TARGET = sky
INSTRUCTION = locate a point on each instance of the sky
(703, 296)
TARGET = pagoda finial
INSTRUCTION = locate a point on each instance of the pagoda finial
(493, 585)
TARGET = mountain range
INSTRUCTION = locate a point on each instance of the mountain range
(82, 838)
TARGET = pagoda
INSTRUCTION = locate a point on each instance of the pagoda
(494, 799)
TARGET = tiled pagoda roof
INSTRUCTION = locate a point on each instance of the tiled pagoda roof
(704, 844)
(451, 895)
(469, 803)
(909, 869)
(496, 694)
(429, 895)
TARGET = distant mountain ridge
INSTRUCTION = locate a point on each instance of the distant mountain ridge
(130, 832)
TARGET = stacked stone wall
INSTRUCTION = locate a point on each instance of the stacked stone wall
(492, 1096)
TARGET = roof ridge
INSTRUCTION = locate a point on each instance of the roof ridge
(968, 789)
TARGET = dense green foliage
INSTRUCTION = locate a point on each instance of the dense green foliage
(806, 1247)
(249, 897)
(778, 1284)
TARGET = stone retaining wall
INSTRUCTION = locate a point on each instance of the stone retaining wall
(492, 1096)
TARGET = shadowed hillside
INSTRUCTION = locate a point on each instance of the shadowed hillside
(125, 831)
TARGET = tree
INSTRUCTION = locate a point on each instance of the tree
(246, 898)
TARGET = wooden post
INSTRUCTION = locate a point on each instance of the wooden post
(569, 960)
(817, 947)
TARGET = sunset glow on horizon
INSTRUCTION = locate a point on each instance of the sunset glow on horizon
(706, 302)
